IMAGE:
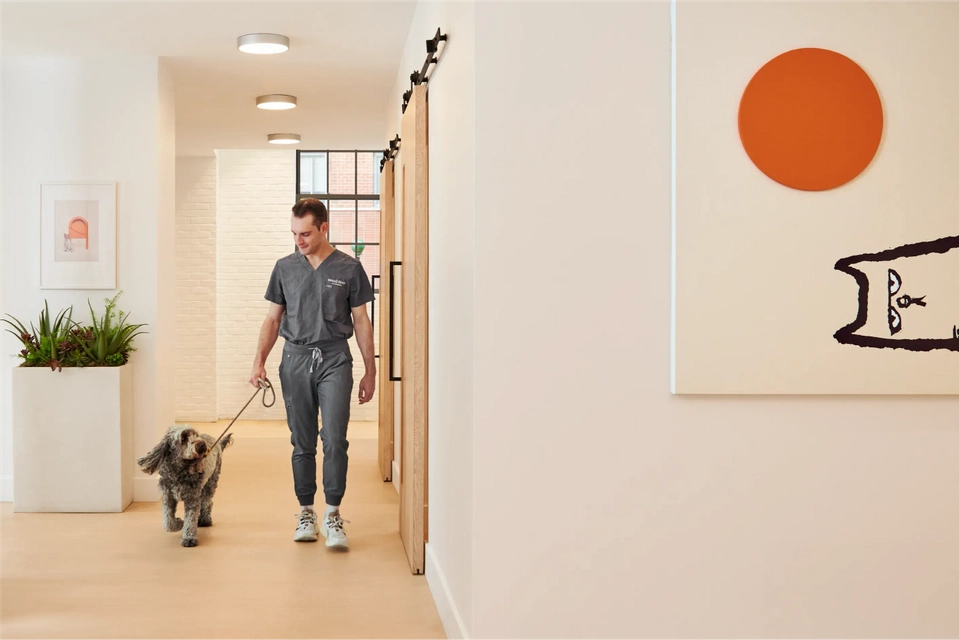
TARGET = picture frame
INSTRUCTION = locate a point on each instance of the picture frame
(78, 235)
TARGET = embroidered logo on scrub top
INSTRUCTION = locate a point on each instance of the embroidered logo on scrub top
(333, 282)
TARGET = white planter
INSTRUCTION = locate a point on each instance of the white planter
(72, 439)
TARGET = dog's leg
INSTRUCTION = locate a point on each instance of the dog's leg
(206, 499)
(206, 509)
(191, 516)
(170, 521)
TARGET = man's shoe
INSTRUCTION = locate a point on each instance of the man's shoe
(306, 529)
(332, 530)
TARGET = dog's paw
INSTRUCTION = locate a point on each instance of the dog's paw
(175, 526)
(205, 522)
(188, 542)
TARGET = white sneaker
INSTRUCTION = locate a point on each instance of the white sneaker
(332, 530)
(306, 529)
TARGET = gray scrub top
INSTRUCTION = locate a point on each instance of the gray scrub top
(318, 301)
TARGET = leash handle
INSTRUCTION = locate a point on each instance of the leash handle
(262, 385)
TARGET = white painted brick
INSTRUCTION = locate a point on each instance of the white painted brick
(195, 380)
(231, 229)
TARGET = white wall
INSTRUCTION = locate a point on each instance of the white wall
(255, 191)
(196, 289)
(633, 512)
(71, 118)
(449, 562)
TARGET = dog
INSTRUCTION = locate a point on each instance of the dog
(189, 469)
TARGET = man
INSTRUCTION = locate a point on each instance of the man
(317, 296)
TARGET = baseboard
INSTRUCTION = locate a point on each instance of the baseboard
(449, 614)
(396, 476)
(145, 490)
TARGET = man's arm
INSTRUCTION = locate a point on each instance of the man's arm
(364, 339)
(269, 333)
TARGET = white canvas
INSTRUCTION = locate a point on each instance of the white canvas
(759, 303)
(78, 236)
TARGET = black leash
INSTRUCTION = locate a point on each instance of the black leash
(263, 385)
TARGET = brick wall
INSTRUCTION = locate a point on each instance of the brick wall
(255, 191)
(195, 378)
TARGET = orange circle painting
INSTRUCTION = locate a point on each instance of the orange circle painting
(811, 119)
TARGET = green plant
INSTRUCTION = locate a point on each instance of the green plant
(108, 342)
(51, 344)
(65, 343)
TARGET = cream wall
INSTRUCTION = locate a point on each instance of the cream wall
(632, 512)
(82, 118)
(449, 561)
(196, 289)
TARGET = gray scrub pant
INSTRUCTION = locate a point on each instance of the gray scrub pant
(318, 382)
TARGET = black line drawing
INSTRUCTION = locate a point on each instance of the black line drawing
(896, 285)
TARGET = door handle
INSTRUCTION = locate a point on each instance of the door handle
(392, 305)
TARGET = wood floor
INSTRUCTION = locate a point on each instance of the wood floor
(122, 576)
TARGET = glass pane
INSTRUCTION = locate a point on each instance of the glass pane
(313, 172)
(368, 166)
(369, 220)
(306, 174)
(343, 173)
(342, 221)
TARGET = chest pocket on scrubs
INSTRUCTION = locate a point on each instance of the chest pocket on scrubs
(335, 303)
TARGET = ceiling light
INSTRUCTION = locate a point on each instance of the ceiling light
(283, 138)
(262, 43)
(276, 102)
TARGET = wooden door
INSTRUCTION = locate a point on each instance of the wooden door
(415, 237)
(385, 371)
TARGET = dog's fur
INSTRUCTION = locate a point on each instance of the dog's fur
(185, 475)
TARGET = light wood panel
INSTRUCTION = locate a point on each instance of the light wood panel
(387, 252)
(413, 480)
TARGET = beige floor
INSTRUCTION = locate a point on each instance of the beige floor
(122, 576)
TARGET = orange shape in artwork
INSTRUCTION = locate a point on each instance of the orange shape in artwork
(811, 119)
(78, 228)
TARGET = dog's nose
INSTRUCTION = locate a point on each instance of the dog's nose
(201, 447)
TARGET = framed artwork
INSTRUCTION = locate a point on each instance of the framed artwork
(78, 235)
(816, 245)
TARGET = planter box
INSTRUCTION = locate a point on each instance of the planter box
(72, 439)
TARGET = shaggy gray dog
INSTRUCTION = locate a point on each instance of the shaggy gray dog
(189, 470)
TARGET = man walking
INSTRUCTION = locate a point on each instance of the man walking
(318, 297)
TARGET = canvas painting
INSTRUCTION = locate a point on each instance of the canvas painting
(816, 243)
(78, 236)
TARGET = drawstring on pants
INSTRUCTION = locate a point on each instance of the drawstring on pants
(316, 359)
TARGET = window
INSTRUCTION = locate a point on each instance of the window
(348, 183)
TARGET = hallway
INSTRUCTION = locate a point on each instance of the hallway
(122, 576)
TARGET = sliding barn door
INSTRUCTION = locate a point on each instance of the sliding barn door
(385, 370)
(415, 235)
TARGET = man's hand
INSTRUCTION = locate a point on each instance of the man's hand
(367, 387)
(269, 332)
(364, 340)
(259, 373)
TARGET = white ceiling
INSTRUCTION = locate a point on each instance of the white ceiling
(341, 66)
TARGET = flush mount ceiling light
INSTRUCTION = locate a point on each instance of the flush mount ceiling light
(262, 43)
(276, 102)
(283, 138)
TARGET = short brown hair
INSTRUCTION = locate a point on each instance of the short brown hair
(313, 206)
